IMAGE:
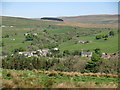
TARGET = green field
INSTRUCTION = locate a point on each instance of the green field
(109, 46)
(23, 25)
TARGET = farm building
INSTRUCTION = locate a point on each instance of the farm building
(45, 51)
(106, 56)
(13, 39)
(5, 26)
(26, 34)
(86, 54)
(55, 48)
(29, 33)
(35, 34)
(81, 42)
(39, 50)
(29, 54)
(25, 53)
(2, 26)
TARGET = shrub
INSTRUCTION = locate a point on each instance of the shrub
(111, 33)
(98, 37)
(76, 52)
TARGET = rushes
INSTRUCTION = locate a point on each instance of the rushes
(73, 74)
(53, 74)
(10, 74)
(42, 79)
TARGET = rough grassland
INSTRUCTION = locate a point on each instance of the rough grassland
(39, 79)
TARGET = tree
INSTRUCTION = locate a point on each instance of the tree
(103, 36)
(87, 42)
(111, 33)
(66, 52)
(106, 39)
(38, 53)
(106, 36)
(76, 52)
(6, 36)
(91, 65)
(55, 52)
(95, 57)
(45, 31)
(98, 37)
(21, 49)
(30, 37)
(2, 44)
(98, 51)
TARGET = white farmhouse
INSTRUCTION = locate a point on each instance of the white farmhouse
(35, 34)
(81, 42)
(45, 51)
(26, 34)
(56, 49)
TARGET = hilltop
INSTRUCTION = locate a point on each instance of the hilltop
(92, 19)
(100, 21)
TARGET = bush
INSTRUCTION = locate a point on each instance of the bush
(98, 37)
(77, 52)
(30, 37)
(21, 49)
(111, 33)
(108, 66)
(66, 53)
(20, 62)
(106, 39)
(6, 36)
(91, 65)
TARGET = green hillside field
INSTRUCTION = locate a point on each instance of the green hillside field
(23, 25)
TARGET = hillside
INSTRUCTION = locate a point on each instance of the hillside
(61, 68)
(100, 21)
(24, 25)
(93, 19)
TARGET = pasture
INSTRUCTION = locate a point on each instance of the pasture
(23, 25)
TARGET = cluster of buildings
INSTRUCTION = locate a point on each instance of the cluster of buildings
(104, 55)
(39, 52)
(5, 26)
(108, 56)
(36, 53)
(83, 42)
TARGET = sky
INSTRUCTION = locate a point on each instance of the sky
(57, 9)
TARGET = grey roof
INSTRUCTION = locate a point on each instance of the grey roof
(86, 52)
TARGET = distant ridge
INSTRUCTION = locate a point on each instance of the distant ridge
(49, 18)
(92, 19)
